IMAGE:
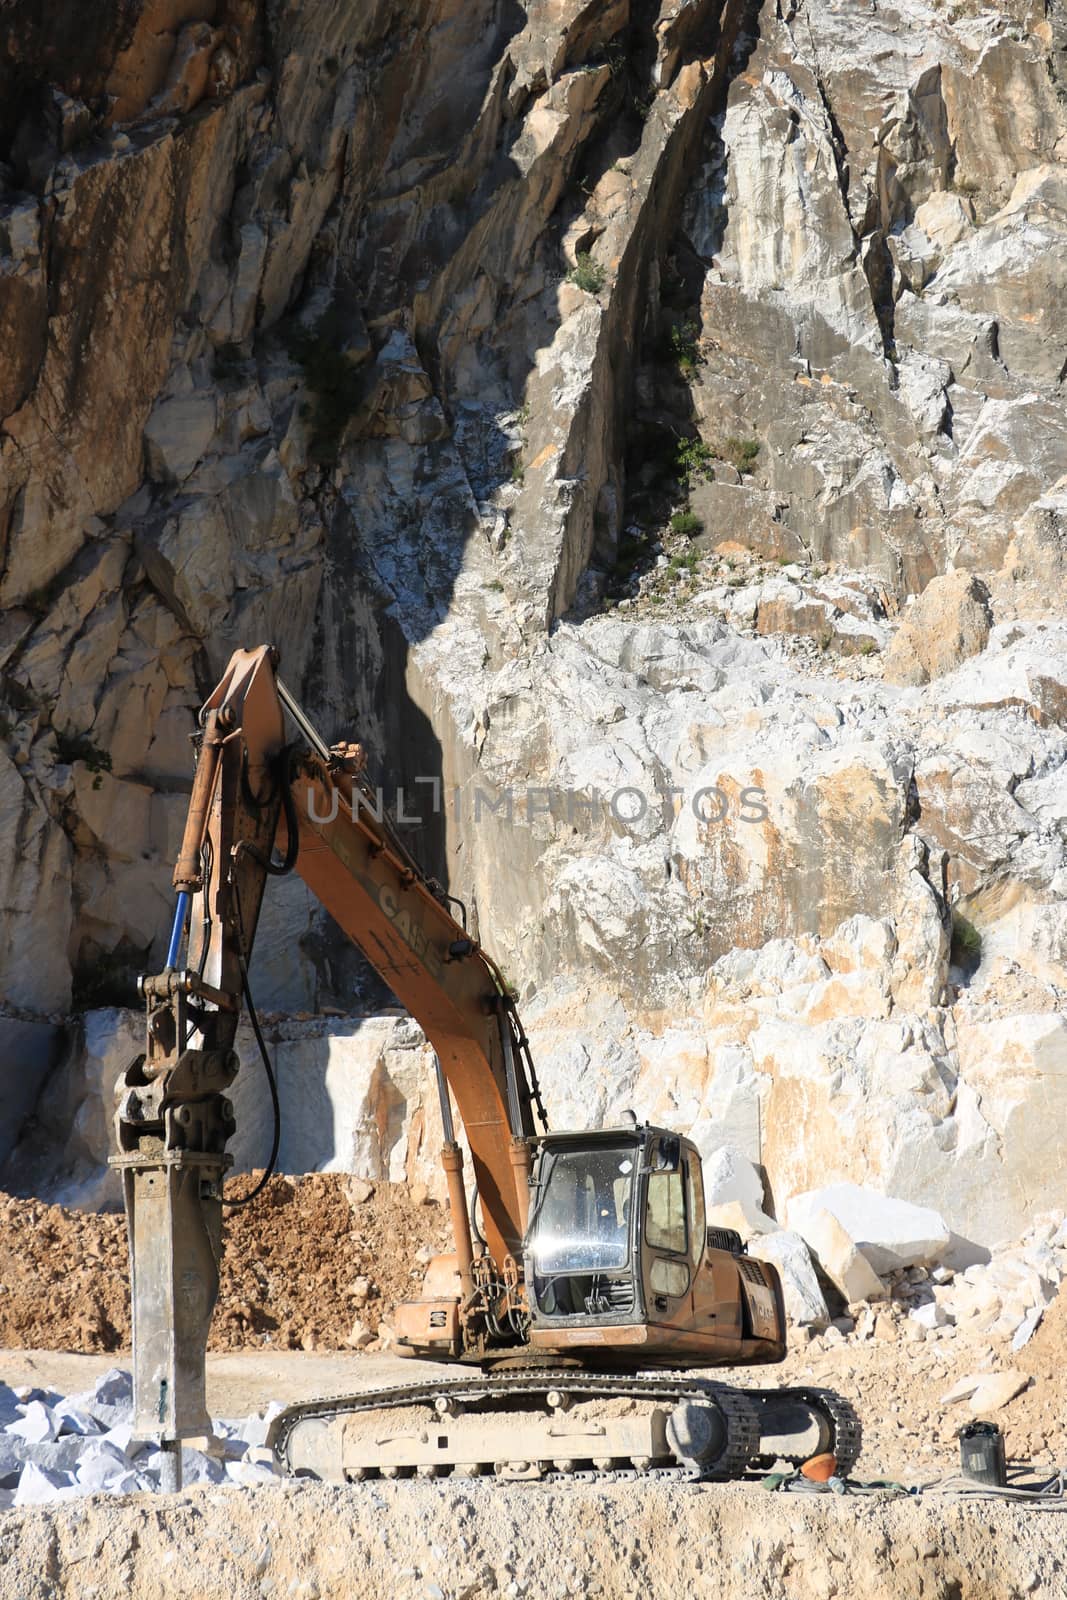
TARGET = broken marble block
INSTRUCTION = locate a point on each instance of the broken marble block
(114, 1388)
(930, 1314)
(249, 1473)
(122, 1437)
(254, 1429)
(986, 1391)
(890, 1234)
(39, 1485)
(12, 1460)
(839, 1256)
(72, 1418)
(36, 1424)
(9, 1405)
(804, 1303)
(104, 1469)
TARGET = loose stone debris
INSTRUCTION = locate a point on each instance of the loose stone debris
(55, 1447)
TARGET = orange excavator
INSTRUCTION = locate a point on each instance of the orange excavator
(582, 1304)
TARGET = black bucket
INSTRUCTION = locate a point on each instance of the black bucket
(982, 1454)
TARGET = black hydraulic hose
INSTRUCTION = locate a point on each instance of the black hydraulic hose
(542, 1195)
(276, 1107)
(206, 862)
(478, 1234)
(277, 869)
(521, 1046)
(272, 1082)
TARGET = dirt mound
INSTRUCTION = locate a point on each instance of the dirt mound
(63, 1278)
(294, 1256)
(301, 1263)
(1048, 1347)
(1037, 1416)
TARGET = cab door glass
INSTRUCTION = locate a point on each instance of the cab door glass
(665, 1227)
(668, 1277)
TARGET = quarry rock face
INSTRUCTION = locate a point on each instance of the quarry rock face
(644, 427)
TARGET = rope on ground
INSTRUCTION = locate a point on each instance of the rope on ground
(1044, 1495)
(1049, 1494)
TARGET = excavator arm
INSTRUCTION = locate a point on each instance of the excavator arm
(252, 794)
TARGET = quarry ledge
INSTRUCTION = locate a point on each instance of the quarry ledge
(429, 1539)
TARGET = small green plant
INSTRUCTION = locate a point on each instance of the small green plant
(683, 346)
(966, 950)
(684, 562)
(72, 747)
(867, 647)
(693, 460)
(687, 523)
(741, 454)
(495, 586)
(824, 639)
(518, 471)
(588, 274)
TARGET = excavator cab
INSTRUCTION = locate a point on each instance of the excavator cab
(618, 1255)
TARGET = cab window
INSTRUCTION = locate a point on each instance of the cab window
(665, 1227)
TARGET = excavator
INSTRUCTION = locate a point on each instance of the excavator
(585, 1292)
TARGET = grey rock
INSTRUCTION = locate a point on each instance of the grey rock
(114, 1388)
(805, 1304)
(72, 1419)
(36, 1425)
(41, 1485)
(12, 1460)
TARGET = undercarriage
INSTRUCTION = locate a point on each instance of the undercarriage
(548, 1425)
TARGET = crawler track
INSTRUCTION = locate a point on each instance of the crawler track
(524, 1391)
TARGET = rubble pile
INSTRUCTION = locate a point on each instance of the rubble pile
(848, 1247)
(317, 1262)
(59, 1448)
(1001, 1300)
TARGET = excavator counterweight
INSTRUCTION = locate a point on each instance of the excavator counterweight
(593, 1262)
